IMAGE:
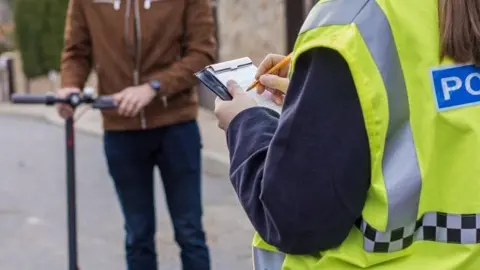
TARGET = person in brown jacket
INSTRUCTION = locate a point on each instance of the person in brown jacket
(145, 53)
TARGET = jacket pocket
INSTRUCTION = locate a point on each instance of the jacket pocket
(115, 3)
(147, 4)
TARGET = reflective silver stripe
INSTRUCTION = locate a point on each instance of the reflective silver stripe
(400, 164)
(267, 260)
(334, 12)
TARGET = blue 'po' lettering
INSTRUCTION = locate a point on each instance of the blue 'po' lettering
(469, 86)
(456, 86)
(450, 84)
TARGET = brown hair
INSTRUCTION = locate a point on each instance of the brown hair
(460, 30)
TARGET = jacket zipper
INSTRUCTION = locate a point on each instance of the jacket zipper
(138, 46)
(146, 5)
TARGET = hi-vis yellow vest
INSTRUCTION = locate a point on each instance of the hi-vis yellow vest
(423, 123)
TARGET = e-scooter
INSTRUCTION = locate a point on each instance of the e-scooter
(74, 100)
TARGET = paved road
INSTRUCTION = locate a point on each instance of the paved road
(32, 207)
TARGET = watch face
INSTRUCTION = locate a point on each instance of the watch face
(155, 85)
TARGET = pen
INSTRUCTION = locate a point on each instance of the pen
(274, 69)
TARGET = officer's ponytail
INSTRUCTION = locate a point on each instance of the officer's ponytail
(460, 30)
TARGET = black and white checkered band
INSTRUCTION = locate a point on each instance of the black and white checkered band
(437, 227)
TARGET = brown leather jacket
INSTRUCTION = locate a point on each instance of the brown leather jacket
(130, 42)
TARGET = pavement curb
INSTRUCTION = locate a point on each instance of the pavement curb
(214, 164)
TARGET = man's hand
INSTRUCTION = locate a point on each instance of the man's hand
(64, 110)
(276, 83)
(226, 110)
(133, 99)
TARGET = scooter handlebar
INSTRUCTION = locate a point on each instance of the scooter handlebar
(104, 103)
(32, 99)
(100, 103)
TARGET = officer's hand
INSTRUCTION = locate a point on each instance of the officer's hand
(276, 83)
(64, 110)
(226, 110)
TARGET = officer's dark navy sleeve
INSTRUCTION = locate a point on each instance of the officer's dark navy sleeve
(302, 178)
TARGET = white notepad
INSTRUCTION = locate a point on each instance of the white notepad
(242, 71)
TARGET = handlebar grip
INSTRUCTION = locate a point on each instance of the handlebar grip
(32, 99)
(104, 103)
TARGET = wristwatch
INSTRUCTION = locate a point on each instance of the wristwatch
(155, 85)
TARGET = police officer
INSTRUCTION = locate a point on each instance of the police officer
(374, 161)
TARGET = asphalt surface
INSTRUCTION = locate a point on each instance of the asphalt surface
(33, 231)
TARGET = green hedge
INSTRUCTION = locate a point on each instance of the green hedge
(39, 28)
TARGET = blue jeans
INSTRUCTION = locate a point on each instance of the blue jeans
(131, 158)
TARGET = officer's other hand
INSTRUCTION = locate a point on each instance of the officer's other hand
(276, 83)
(226, 110)
(64, 110)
